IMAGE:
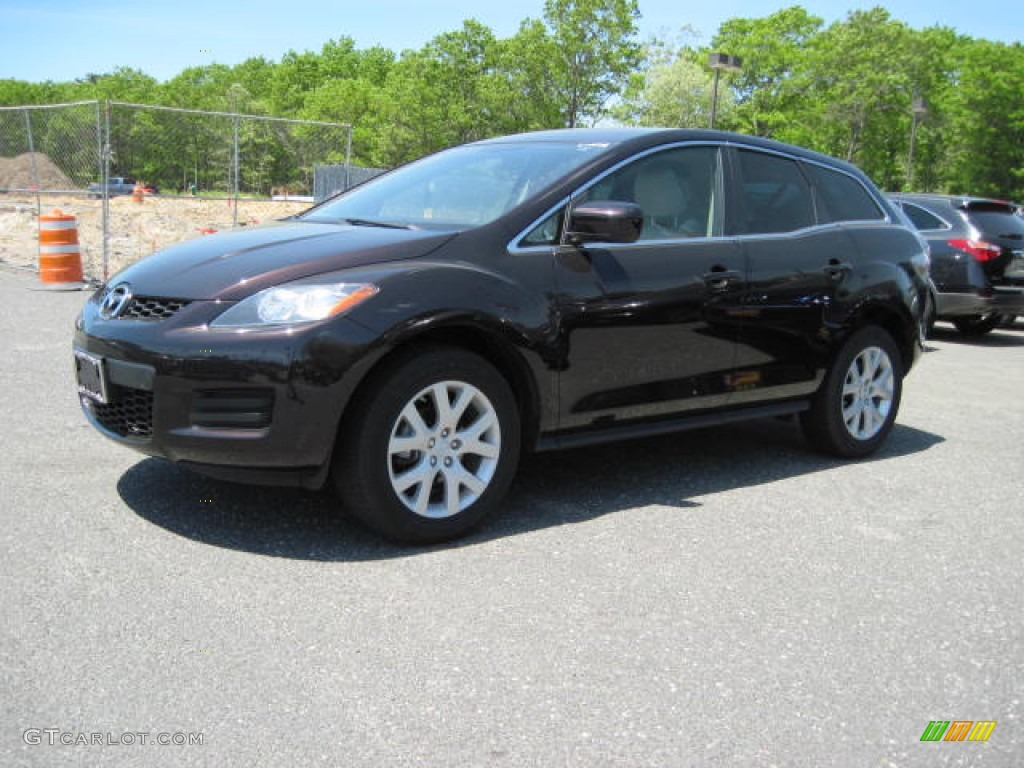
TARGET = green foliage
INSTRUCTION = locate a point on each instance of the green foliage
(773, 49)
(987, 157)
(850, 89)
(673, 90)
(594, 52)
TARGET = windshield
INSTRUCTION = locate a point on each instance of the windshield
(463, 187)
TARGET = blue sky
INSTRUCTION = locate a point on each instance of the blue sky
(64, 40)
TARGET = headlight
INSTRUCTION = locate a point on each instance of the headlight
(306, 301)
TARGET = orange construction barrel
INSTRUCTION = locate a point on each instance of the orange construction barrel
(60, 260)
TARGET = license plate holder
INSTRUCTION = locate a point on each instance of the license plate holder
(91, 375)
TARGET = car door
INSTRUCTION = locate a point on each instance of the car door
(648, 328)
(795, 266)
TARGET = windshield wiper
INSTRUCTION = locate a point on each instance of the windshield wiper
(371, 223)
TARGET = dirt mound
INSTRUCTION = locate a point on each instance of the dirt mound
(16, 173)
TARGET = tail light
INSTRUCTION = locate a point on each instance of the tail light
(979, 249)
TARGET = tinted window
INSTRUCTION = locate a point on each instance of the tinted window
(921, 218)
(996, 221)
(841, 197)
(774, 194)
(676, 190)
(545, 233)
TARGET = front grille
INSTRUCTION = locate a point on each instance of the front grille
(130, 414)
(232, 408)
(152, 309)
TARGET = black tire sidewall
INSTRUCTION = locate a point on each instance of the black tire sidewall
(823, 424)
(361, 472)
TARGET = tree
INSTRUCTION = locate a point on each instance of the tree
(986, 144)
(674, 89)
(531, 97)
(862, 93)
(772, 48)
(593, 52)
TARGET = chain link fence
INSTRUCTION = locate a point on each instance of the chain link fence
(208, 171)
(331, 179)
(48, 155)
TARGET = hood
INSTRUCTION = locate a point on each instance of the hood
(233, 265)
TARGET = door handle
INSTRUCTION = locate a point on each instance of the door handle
(719, 278)
(836, 269)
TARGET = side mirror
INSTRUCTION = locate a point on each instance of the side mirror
(605, 221)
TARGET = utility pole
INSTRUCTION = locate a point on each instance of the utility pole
(718, 62)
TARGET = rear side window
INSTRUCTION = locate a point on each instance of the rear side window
(922, 219)
(841, 197)
(774, 194)
(996, 221)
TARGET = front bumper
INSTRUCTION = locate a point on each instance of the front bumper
(259, 407)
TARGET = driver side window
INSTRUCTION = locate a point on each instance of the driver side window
(677, 190)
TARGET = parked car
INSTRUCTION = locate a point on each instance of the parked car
(119, 185)
(977, 255)
(407, 339)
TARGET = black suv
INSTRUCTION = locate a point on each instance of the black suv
(409, 338)
(977, 254)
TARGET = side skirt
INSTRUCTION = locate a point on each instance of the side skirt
(579, 438)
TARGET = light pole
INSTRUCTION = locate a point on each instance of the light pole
(918, 109)
(718, 62)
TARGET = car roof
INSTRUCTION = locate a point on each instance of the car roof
(636, 139)
(964, 202)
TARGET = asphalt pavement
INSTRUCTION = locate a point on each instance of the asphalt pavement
(724, 597)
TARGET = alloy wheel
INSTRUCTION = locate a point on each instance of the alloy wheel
(444, 449)
(868, 393)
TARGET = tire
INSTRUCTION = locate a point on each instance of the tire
(977, 325)
(431, 449)
(855, 409)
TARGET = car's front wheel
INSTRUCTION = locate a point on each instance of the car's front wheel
(855, 409)
(431, 448)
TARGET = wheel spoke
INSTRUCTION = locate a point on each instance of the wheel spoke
(422, 473)
(422, 501)
(852, 414)
(468, 479)
(871, 363)
(480, 448)
(411, 416)
(475, 430)
(463, 399)
(447, 413)
(474, 442)
(407, 444)
(871, 422)
(452, 494)
(882, 386)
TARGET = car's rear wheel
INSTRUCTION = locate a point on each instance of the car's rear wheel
(431, 448)
(977, 325)
(855, 409)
